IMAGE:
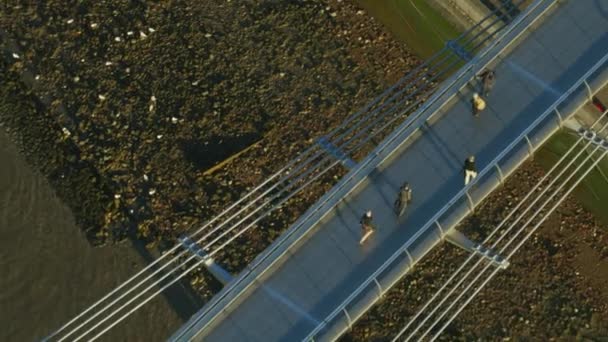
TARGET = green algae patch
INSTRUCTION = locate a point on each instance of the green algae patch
(414, 22)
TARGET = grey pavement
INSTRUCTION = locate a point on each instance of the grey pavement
(312, 280)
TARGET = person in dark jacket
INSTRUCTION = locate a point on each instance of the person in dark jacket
(488, 79)
(470, 170)
(367, 226)
(404, 199)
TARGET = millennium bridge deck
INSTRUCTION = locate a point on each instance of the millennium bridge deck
(294, 290)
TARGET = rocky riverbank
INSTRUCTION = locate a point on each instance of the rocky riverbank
(127, 106)
(555, 289)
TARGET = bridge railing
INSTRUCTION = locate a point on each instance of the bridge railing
(387, 109)
(358, 129)
(566, 103)
(331, 198)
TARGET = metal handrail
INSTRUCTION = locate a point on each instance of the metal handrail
(355, 173)
(499, 226)
(517, 233)
(419, 68)
(518, 246)
(241, 210)
(458, 196)
(285, 168)
(292, 163)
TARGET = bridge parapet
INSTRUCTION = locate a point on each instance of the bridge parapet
(515, 154)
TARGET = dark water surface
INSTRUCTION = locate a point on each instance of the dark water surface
(48, 271)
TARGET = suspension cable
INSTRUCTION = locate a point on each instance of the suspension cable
(199, 262)
(495, 231)
(518, 246)
(283, 170)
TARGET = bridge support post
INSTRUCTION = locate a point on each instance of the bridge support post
(336, 152)
(216, 270)
(530, 147)
(458, 239)
(501, 176)
(559, 118)
(470, 202)
(350, 321)
(589, 92)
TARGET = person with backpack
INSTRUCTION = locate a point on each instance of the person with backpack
(488, 79)
(403, 199)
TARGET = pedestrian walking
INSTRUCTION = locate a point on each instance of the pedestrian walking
(470, 171)
(478, 104)
(488, 78)
(403, 199)
(367, 226)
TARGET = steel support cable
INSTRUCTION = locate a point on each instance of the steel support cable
(359, 144)
(502, 249)
(498, 227)
(199, 230)
(283, 170)
(138, 306)
(175, 268)
(177, 278)
(242, 199)
(523, 227)
(166, 254)
(270, 178)
(176, 257)
(335, 312)
(391, 121)
(518, 246)
(208, 234)
(211, 253)
(487, 239)
(486, 38)
(499, 17)
(174, 248)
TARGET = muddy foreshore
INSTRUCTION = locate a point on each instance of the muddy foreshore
(126, 106)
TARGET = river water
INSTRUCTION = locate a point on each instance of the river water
(48, 271)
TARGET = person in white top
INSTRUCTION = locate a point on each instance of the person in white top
(470, 171)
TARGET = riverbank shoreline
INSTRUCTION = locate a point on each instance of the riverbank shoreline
(50, 273)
